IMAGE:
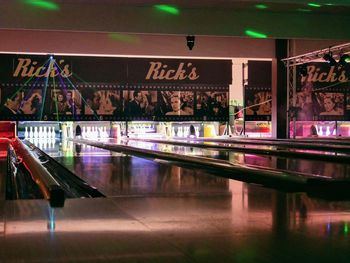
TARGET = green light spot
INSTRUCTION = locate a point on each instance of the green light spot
(346, 228)
(167, 9)
(124, 38)
(48, 5)
(303, 10)
(260, 6)
(313, 5)
(255, 34)
(347, 60)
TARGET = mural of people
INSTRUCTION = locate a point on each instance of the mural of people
(140, 103)
(11, 104)
(176, 103)
(203, 102)
(306, 103)
(32, 102)
(114, 96)
(137, 105)
(258, 102)
(212, 103)
(92, 101)
(59, 103)
(73, 99)
(331, 103)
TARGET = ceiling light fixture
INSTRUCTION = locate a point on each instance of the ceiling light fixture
(344, 59)
(328, 57)
(303, 70)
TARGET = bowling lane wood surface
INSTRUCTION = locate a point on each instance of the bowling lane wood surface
(315, 167)
(163, 213)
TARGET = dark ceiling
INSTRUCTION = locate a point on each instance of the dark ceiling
(273, 19)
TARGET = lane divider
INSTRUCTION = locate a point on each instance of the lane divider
(50, 188)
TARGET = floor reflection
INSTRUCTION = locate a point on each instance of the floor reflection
(123, 174)
(252, 224)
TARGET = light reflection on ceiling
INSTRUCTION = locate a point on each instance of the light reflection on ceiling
(255, 34)
(130, 39)
(43, 4)
(167, 9)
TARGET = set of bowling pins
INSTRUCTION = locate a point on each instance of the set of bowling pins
(183, 131)
(325, 132)
(44, 144)
(143, 128)
(94, 132)
(46, 132)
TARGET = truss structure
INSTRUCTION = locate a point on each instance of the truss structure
(292, 62)
(336, 51)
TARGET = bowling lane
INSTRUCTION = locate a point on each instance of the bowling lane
(116, 174)
(308, 167)
(259, 146)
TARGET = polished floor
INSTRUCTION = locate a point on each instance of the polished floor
(158, 212)
(251, 225)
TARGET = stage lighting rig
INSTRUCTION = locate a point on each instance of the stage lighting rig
(321, 55)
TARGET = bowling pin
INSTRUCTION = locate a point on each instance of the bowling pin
(197, 131)
(83, 132)
(320, 131)
(36, 135)
(31, 135)
(45, 132)
(26, 133)
(180, 133)
(53, 133)
(40, 133)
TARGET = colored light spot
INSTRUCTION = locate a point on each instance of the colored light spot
(167, 9)
(313, 5)
(303, 10)
(124, 38)
(255, 34)
(48, 5)
(260, 6)
(346, 228)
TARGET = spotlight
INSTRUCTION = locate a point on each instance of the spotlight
(190, 41)
(329, 59)
(303, 70)
(344, 59)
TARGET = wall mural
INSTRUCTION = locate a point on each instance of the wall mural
(323, 93)
(98, 88)
(258, 94)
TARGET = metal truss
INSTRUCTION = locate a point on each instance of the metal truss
(336, 51)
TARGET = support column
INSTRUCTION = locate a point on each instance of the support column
(279, 91)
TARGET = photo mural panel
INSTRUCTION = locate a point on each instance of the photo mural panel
(63, 102)
(140, 104)
(258, 104)
(20, 103)
(68, 88)
(323, 92)
(212, 104)
(258, 91)
(176, 103)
